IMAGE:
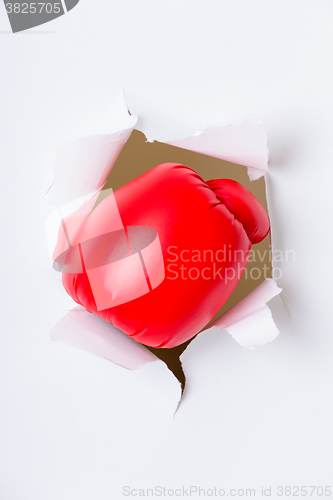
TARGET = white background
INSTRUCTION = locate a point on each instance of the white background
(76, 427)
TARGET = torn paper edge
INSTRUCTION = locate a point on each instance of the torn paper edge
(92, 334)
(83, 165)
(250, 321)
(243, 143)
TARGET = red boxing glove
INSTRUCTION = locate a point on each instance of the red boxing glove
(205, 230)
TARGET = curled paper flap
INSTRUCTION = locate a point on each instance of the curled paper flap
(83, 165)
(92, 334)
(250, 321)
(244, 144)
